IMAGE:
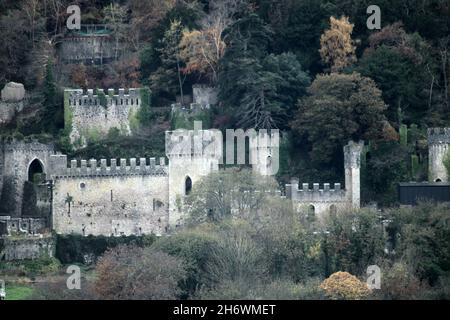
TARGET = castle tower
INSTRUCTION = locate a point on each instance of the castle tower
(352, 165)
(438, 150)
(192, 155)
(264, 152)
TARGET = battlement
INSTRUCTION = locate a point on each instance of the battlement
(85, 168)
(204, 95)
(193, 108)
(316, 194)
(438, 136)
(200, 143)
(265, 139)
(27, 145)
(78, 97)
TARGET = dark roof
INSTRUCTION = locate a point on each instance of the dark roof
(423, 184)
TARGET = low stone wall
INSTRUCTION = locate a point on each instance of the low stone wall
(25, 248)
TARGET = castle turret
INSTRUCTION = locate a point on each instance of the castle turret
(352, 165)
(192, 154)
(438, 150)
(264, 148)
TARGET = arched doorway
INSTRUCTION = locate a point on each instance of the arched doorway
(187, 186)
(36, 171)
(36, 195)
(438, 180)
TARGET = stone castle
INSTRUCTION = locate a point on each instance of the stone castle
(114, 197)
(90, 115)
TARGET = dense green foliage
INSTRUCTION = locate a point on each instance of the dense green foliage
(73, 248)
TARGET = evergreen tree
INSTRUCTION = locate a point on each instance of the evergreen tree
(52, 118)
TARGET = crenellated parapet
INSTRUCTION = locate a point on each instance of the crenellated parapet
(79, 97)
(91, 114)
(305, 194)
(194, 143)
(94, 168)
(438, 136)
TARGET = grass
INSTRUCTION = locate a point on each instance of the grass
(18, 292)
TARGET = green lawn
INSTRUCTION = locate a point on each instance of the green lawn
(18, 292)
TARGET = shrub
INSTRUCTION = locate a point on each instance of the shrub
(193, 247)
(131, 272)
(74, 248)
(344, 286)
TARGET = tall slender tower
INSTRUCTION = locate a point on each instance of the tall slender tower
(192, 155)
(438, 150)
(352, 165)
(265, 153)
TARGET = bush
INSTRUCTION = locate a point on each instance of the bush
(193, 247)
(131, 272)
(44, 265)
(76, 248)
(344, 286)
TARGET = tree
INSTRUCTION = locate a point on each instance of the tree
(420, 236)
(272, 89)
(202, 49)
(344, 286)
(354, 241)
(400, 65)
(114, 18)
(298, 26)
(52, 116)
(130, 272)
(225, 193)
(145, 17)
(383, 170)
(336, 45)
(339, 107)
(236, 257)
(168, 78)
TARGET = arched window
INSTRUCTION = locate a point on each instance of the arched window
(35, 171)
(269, 162)
(187, 185)
(333, 210)
(311, 212)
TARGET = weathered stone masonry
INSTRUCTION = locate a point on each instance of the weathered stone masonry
(331, 200)
(90, 115)
(438, 150)
(117, 199)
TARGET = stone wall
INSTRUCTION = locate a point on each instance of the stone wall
(130, 199)
(191, 156)
(12, 101)
(204, 95)
(31, 247)
(325, 200)
(12, 226)
(91, 116)
(438, 150)
(92, 49)
(17, 157)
